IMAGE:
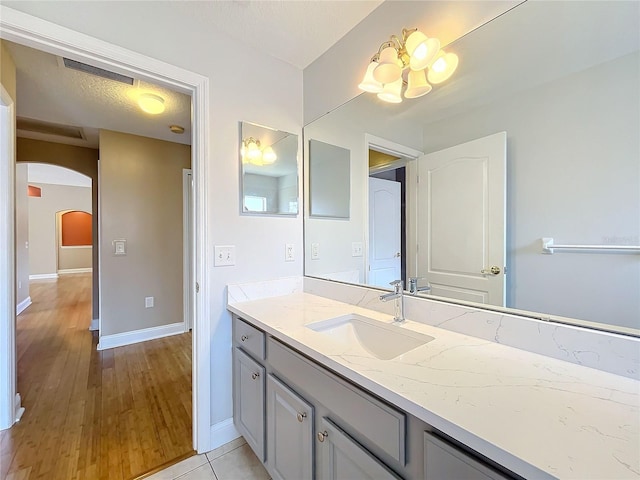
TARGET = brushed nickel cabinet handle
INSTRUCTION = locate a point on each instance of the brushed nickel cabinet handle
(301, 416)
(244, 338)
(255, 375)
(322, 436)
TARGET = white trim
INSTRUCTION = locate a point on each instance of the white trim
(8, 367)
(66, 271)
(43, 276)
(137, 336)
(95, 324)
(187, 248)
(36, 33)
(223, 432)
(19, 409)
(23, 305)
(72, 247)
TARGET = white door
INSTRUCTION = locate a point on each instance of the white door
(187, 247)
(461, 232)
(384, 232)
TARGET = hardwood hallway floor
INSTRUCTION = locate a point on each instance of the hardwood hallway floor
(114, 414)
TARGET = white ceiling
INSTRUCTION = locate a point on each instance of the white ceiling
(296, 32)
(45, 173)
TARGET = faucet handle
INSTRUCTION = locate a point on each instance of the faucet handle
(397, 285)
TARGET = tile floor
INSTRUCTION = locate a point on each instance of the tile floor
(232, 461)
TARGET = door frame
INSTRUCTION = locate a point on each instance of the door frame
(36, 33)
(187, 250)
(411, 155)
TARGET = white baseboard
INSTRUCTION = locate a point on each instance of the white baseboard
(66, 271)
(23, 305)
(43, 276)
(19, 408)
(136, 336)
(223, 432)
(95, 324)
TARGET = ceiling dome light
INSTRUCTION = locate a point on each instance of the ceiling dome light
(150, 103)
(417, 84)
(370, 84)
(269, 156)
(389, 67)
(391, 92)
(421, 50)
(442, 67)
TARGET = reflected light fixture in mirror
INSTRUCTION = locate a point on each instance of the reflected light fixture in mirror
(253, 153)
(416, 53)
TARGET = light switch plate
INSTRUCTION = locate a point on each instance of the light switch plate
(120, 247)
(148, 302)
(224, 255)
(289, 254)
(356, 249)
(315, 251)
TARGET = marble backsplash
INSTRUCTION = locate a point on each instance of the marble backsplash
(613, 353)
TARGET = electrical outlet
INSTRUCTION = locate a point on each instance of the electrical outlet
(315, 251)
(224, 255)
(356, 249)
(289, 253)
(148, 302)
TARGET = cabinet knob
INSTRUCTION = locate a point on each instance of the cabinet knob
(301, 416)
(322, 436)
(244, 338)
(255, 375)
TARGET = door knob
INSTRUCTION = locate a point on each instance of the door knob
(495, 270)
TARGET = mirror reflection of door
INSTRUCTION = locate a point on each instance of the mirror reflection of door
(461, 235)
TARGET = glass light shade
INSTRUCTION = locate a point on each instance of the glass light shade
(392, 91)
(442, 67)
(269, 156)
(417, 84)
(389, 66)
(253, 152)
(421, 50)
(370, 84)
(150, 103)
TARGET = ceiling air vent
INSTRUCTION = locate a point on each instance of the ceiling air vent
(100, 72)
(38, 126)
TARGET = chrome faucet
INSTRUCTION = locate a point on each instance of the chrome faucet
(398, 296)
(414, 288)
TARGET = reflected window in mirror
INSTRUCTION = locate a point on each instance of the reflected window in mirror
(268, 170)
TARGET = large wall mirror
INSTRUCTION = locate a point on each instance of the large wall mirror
(552, 91)
(269, 170)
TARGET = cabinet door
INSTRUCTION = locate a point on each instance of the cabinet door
(248, 401)
(342, 458)
(443, 461)
(289, 433)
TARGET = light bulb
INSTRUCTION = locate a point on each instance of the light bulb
(421, 49)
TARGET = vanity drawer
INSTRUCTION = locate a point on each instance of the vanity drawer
(362, 415)
(248, 338)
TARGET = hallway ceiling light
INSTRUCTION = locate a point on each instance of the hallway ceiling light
(151, 103)
(416, 53)
(253, 153)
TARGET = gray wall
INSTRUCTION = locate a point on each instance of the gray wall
(43, 243)
(574, 180)
(22, 234)
(141, 201)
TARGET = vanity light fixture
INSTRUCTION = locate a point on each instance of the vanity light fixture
(415, 52)
(252, 152)
(151, 103)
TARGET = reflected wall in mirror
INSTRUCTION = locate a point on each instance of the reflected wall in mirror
(269, 170)
(329, 180)
(569, 104)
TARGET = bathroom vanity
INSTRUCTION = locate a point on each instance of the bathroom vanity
(318, 394)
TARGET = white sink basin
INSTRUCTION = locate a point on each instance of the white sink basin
(382, 340)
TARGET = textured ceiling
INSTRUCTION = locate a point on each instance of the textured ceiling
(50, 92)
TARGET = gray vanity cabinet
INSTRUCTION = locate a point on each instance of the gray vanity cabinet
(248, 400)
(289, 433)
(443, 461)
(340, 457)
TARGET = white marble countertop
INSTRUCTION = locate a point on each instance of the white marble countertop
(538, 416)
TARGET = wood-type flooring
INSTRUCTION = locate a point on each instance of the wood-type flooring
(113, 414)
